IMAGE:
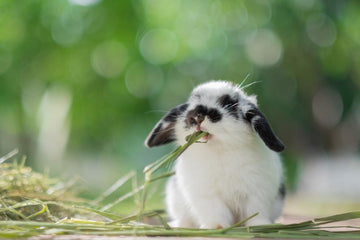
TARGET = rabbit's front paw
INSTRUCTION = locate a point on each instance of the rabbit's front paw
(213, 214)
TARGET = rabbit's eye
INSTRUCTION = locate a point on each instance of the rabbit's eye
(214, 115)
(229, 105)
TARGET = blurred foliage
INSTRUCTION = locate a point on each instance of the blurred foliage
(92, 76)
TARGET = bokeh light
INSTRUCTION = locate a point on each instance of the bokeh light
(160, 12)
(68, 28)
(109, 59)
(264, 48)
(54, 125)
(143, 80)
(304, 4)
(321, 30)
(194, 32)
(327, 107)
(159, 46)
(231, 18)
(84, 2)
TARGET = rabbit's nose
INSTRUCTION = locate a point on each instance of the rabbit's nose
(199, 118)
(197, 115)
(196, 119)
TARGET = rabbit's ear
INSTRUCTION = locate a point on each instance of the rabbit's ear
(259, 123)
(164, 131)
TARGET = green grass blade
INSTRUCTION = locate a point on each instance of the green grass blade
(43, 210)
(9, 155)
(114, 187)
(165, 175)
(139, 216)
(239, 223)
(339, 217)
(122, 198)
(110, 216)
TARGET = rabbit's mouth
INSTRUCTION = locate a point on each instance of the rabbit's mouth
(207, 137)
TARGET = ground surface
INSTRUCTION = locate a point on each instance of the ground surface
(85, 237)
(286, 219)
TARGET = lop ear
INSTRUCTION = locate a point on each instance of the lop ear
(259, 123)
(164, 132)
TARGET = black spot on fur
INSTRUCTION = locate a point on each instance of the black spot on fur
(200, 109)
(154, 134)
(169, 139)
(161, 135)
(192, 117)
(262, 127)
(226, 101)
(249, 115)
(214, 115)
(229, 104)
(183, 107)
(199, 112)
(175, 112)
(282, 191)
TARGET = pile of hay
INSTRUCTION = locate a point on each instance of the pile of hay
(28, 195)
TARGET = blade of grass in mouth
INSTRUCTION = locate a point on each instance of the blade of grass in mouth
(167, 159)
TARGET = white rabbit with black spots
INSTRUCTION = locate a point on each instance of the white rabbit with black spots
(235, 174)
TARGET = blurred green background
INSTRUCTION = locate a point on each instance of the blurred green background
(82, 82)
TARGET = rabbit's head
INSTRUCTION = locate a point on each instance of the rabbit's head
(220, 108)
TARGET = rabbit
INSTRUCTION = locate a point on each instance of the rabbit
(235, 174)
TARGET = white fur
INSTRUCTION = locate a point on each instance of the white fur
(229, 178)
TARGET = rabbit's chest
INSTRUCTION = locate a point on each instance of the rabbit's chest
(225, 174)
